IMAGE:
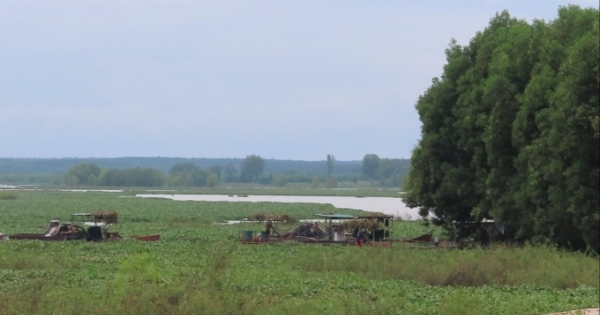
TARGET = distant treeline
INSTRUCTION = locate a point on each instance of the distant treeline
(510, 131)
(179, 172)
(27, 166)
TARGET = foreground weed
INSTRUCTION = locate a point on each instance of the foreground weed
(541, 266)
(8, 195)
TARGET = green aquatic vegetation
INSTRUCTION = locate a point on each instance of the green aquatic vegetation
(540, 266)
(199, 267)
(8, 195)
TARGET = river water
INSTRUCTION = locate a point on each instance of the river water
(387, 205)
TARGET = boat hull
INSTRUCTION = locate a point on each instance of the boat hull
(425, 238)
(148, 238)
(39, 237)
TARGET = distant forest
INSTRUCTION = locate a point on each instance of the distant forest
(14, 166)
(172, 171)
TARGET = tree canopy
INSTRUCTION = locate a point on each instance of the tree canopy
(252, 167)
(82, 174)
(370, 166)
(510, 131)
(330, 164)
(389, 172)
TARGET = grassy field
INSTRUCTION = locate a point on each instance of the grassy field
(199, 268)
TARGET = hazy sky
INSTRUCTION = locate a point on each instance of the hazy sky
(282, 79)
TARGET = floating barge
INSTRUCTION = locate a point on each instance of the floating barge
(54, 232)
(334, 232)
(96, 230)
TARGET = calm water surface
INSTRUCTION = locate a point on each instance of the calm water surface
(387, 205)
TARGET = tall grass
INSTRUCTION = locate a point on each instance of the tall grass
(8, 195)
(224, 282)
(504, 266)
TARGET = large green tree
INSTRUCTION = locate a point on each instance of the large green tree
(82, 174)
(229, 173)
(217, 170)
(510, 131)
(183, 167)
(187, 174)
(137, 177)
(370, 166)
(251, 168)
(330, 164)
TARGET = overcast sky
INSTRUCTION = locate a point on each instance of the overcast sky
(282, 79)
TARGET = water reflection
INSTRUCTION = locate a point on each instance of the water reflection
(387, 205)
